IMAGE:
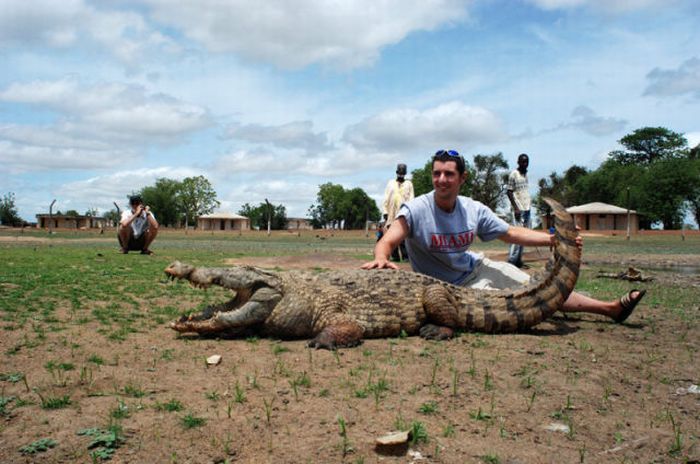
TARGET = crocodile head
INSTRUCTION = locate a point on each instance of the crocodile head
(196, 278)
(256, 292)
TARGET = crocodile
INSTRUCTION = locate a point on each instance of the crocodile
(340, 308)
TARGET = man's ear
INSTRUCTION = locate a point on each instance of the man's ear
(463, 178)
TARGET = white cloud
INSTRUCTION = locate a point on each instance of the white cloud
(110, 111)
(451, 125)
(296, 134)
(340, 161)
(693, 138)
(40, 22)
(100, 191)
(69, 22)
(675, 82)
(608, 6)
(293, 34)
(589, 122)
(17, 158)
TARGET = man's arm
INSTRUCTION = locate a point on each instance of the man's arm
(509, 191)
(529, 237)
(388, 191)
(151, 218)
(128, 217)
(391, 239)
(513, 204)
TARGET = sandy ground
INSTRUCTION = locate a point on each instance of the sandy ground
(576, 389)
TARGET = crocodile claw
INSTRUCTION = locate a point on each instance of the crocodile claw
(436, 332)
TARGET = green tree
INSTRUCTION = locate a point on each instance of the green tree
(422, 179)
(254, 213)
(694, 197)
(649, 145)
(8, 211)
(326, 211)
(657, 175)
(561, 188)
(111, 216)
(279, 217)
(490, 177)
(72, 212)
(164, 200)
(667, 188)
(197, 197)
(258, 215)
(357, 207)
(336, 206)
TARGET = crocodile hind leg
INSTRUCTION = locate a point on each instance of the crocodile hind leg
(441, 313)
(341, 334)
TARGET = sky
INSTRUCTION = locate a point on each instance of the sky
(272, 99)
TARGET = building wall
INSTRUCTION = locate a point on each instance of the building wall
(606, 222)
(222, 224)
(69, 222)
(298, 224)
(600, 222)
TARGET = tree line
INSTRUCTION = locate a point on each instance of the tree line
(656, 173)
(176, 202)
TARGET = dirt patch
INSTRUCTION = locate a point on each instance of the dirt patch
(575, 389)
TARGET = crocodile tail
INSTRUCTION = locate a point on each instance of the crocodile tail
(525, 307)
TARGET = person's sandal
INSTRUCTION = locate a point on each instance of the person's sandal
(146, 252)
(124, 251)
(628, 304)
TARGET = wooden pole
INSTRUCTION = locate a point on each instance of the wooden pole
(628, 213)
(51, 217)
(269, 216)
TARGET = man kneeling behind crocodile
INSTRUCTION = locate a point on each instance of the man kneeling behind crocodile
(439, 227)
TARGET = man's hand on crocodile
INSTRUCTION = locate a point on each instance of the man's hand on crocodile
(379, 263)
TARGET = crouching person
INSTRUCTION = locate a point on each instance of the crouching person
(137, 228)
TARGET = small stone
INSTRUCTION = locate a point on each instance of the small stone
(557, 427)
(394, 443)
(213, 360)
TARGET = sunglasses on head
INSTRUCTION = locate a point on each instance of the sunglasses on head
(452, 153)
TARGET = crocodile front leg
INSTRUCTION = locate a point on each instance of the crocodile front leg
(342, 334)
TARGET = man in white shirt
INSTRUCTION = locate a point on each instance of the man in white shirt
(398, 191)
(138, 227)
(519, 195)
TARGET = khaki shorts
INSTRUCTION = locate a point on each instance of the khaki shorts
(496, 275)
(135, 244)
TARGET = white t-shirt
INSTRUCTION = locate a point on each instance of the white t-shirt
(517, 183)
(138, 225)
(396, 194)
(438, 242)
